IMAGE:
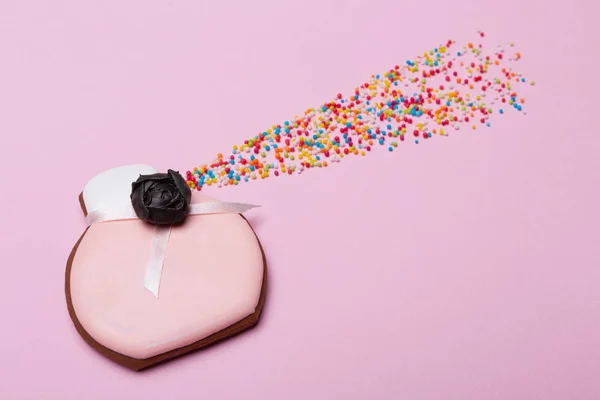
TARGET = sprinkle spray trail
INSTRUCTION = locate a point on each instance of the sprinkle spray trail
(443, 90)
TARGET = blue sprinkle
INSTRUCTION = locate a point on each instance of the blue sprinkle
(318, 158)
(267, 148)
(501, 111)
(237, 177)
(390, 148)
(286, 123)
(417, 141)
(231, 162)
(348, 124)
(428, 134)
(389, 127)
(458, 54)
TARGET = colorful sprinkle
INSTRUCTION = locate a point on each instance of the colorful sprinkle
(426, 96)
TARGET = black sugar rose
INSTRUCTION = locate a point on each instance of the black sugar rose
(161, 199)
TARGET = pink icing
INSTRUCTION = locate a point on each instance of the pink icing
(212, 278)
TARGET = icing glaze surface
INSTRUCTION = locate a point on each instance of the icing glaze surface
(211, 279)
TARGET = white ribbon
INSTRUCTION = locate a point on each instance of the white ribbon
(215, 207)
(161, 236)
(157, 259)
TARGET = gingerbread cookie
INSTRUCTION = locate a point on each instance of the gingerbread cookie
(153, 277)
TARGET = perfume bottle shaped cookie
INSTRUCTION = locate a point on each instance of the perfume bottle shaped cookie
(160, 272)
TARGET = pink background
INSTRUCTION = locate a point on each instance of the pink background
(463, 268)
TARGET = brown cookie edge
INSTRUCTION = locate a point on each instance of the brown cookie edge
(140, 364)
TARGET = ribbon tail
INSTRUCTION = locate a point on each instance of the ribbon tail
(157, 259)
(219, 207)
